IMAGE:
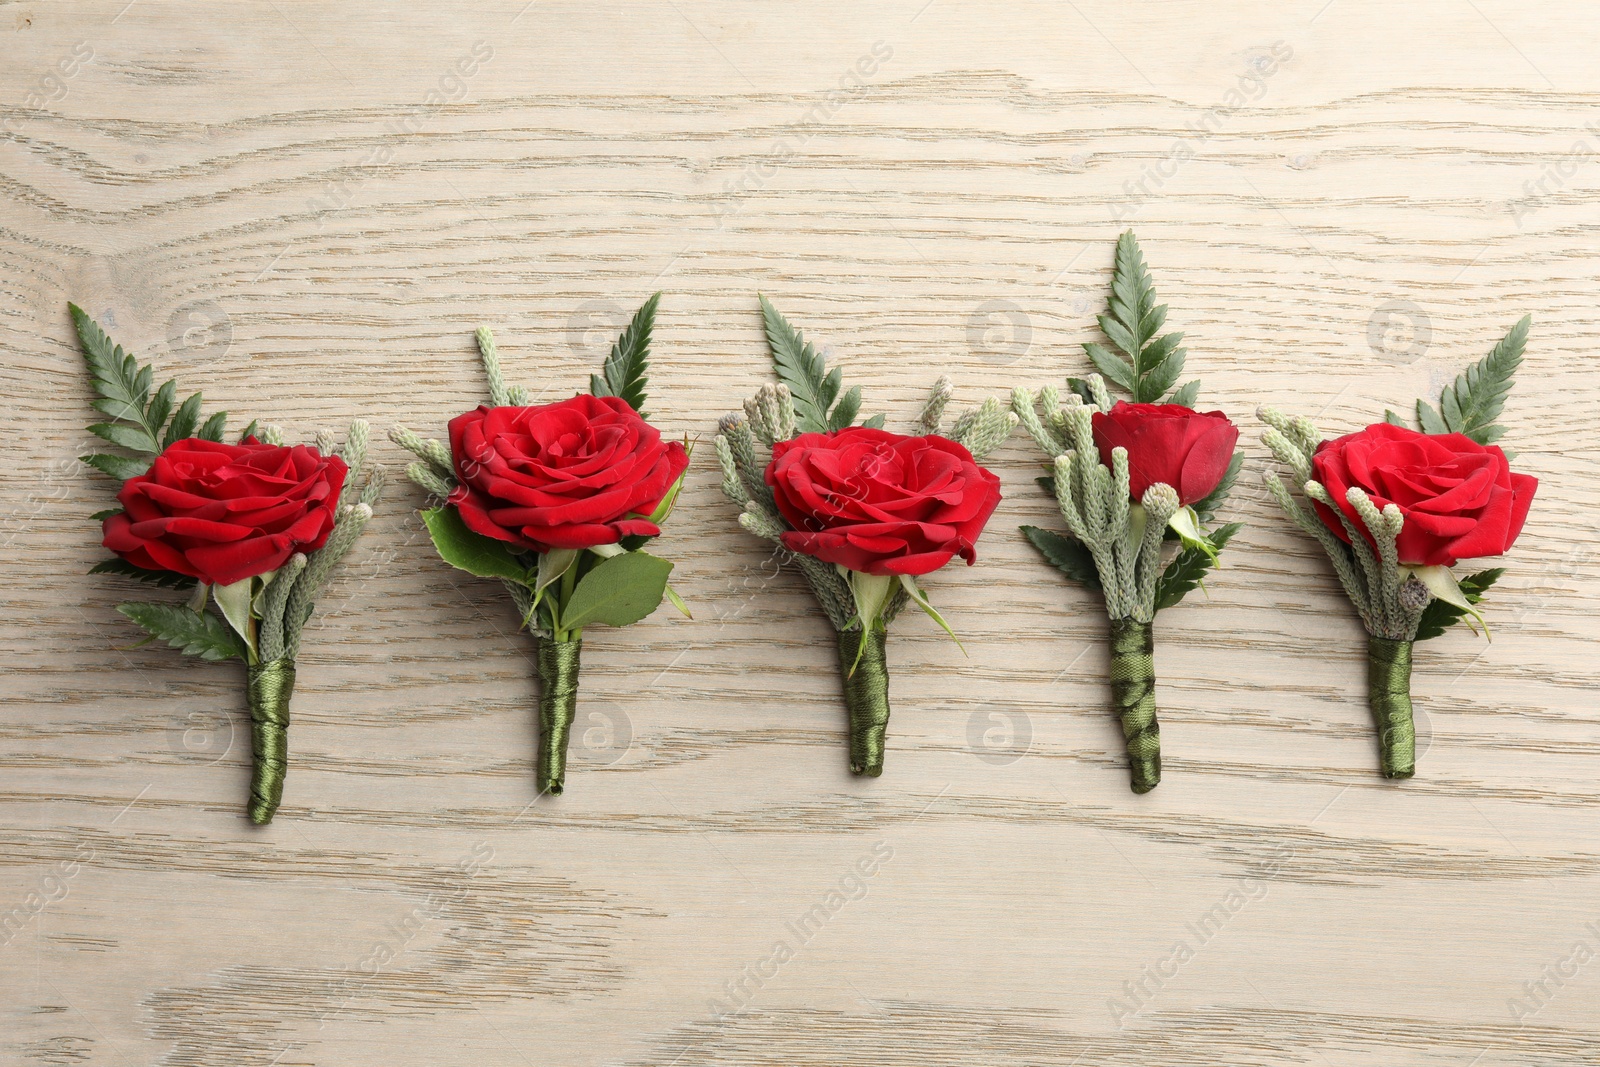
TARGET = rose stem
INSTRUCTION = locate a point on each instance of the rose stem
(866, 696)
(557, 663)
(1133, 690)
(268, 687)
(1389, 694)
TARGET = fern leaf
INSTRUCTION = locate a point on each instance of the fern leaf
(626, 369)
(119, 467)
(214, 427)
(812, 385)
(1439, 615)
(1186, 394)
(184, 422)
(1206, 507)
(1190, 567)
(193, 632)
(1066, 555)
(1475, 399)
(845, 411)
(122, 568)
(1149, 366)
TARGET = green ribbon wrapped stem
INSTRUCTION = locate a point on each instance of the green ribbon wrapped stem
(269, 687)
(866, 696)
(1133, 691)
(1389, 695)
(558, 702)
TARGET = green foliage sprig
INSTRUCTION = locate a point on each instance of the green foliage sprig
(1471, 404)
(813, 388)
(138, 420)
(627, 368)
(1148, 365)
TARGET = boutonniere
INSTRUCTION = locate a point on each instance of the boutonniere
(1139, 484)
(862, 513)
(1395, 508)
(251, 529)
(557, 501)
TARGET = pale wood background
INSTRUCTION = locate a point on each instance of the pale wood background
(279, 170)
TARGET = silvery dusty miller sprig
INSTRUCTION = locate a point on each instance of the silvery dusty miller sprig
(1130, 479)
(850, 524)
(253, 529)
(561, 525)
(1463, 502)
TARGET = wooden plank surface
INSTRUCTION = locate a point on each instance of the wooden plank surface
(305, 209)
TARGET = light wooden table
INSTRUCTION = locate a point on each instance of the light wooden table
(305, 209)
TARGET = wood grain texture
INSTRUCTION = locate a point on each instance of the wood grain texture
(305, 209)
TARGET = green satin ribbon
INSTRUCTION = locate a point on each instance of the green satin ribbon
(1389, 695)
(557, 663)
(866, 696)
(1133, 691)
(269, 686)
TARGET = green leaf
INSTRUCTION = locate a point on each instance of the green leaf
(234, 603)
(183, 423)
(1428, 420)
(802, 368)
(119, 467)
(1081, 388)
(124, 390)
(1116, 370)
(471, 552)
(1148, 366)
(214, 427)
(920, 599)
(1066, 555)
(552, 565)
(122, 568)
(1207, 506)
(1186, 524)
(618, 592)
(874, 423)
(1392, 419)
(1444, 586)
(1190, 567)
(626, 368)
(1186, 394)
(161, 405)
(1471, 403)
(845, 411)
(196, 633)
(106, 514)
(129, 435)
(115, 374)
(1440, 615)
(248, 431)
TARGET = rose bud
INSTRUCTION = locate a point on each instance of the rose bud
(1186, 449)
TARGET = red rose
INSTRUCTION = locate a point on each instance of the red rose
(223, 513)
(574, 474)
(1459, 498)
(879, 502)
(1187, 449)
